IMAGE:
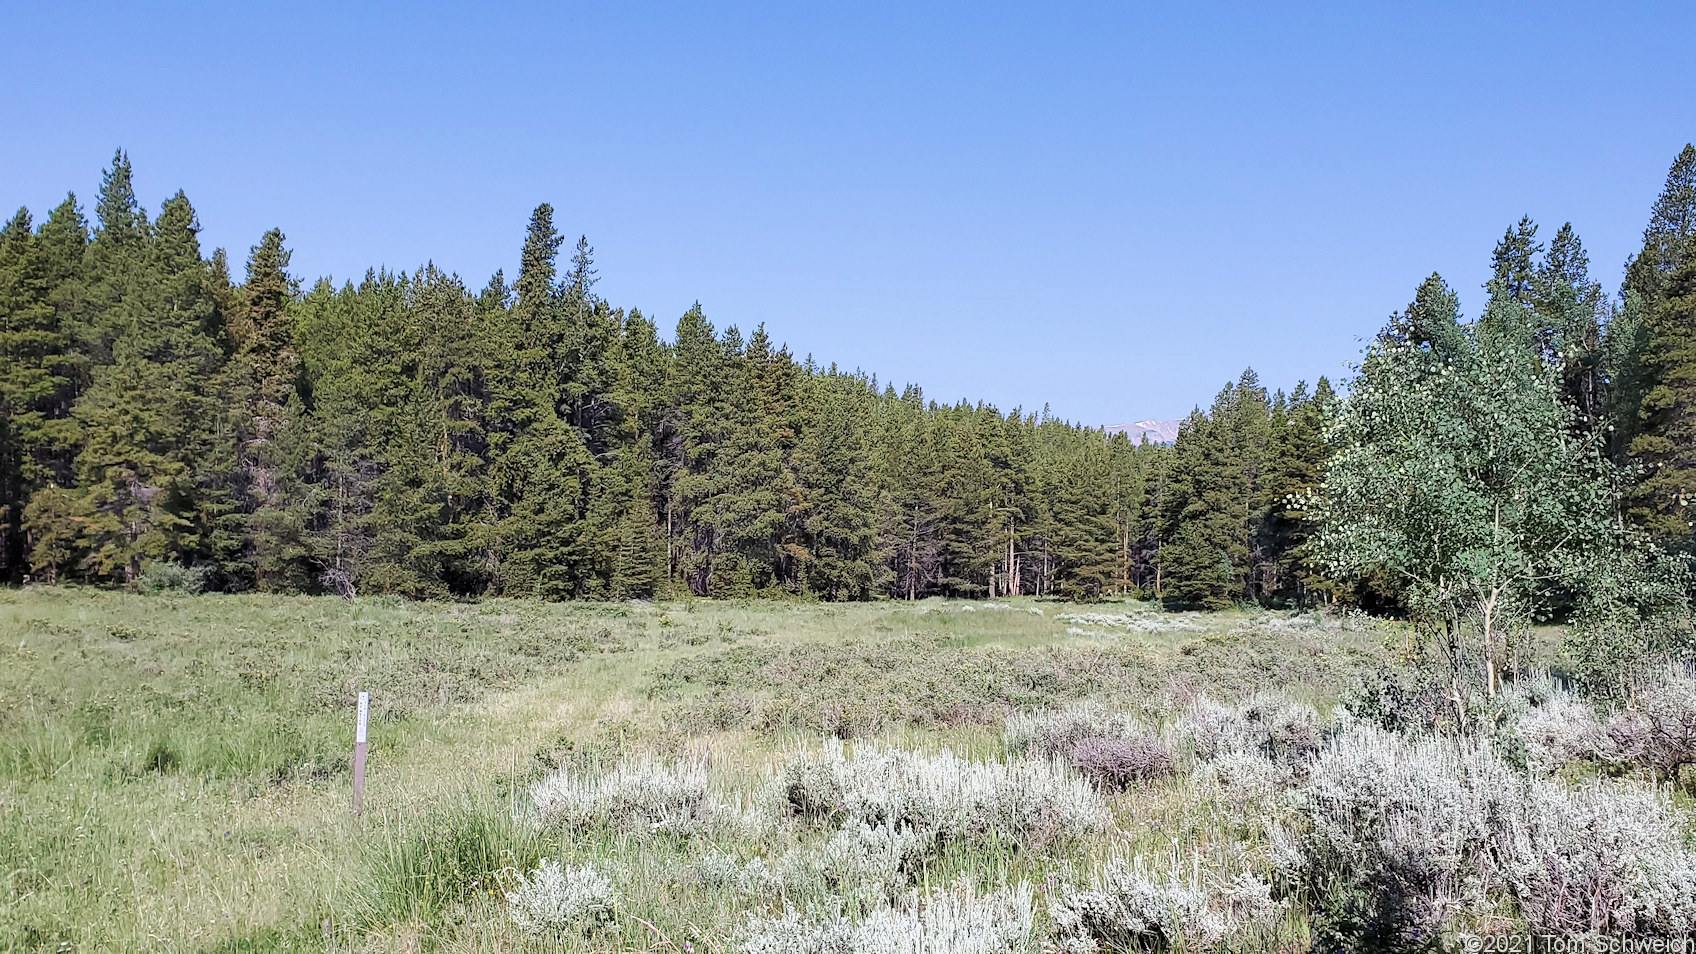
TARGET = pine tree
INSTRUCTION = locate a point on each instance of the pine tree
(539, 461)
(1667, 240)
(1572, 312)
(1666, 447)
(143, 416)
(39, 366)
(262, 447)
(1669, 243)
(1206, 559)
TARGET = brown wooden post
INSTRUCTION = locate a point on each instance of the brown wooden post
(359, 753)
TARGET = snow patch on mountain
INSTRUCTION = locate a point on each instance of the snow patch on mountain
(1157, 432)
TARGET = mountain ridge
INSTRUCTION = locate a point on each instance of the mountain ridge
(1157, 432)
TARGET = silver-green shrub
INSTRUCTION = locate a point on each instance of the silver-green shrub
(556, 898)
(1129, 907)
(1555, 727)
(1420, 832)
(643, 795)
(1284, 731)
(1109, 747)
(943, 797)
(1415, 826)
(1658, 730)
(946, 921)
(1602, 860)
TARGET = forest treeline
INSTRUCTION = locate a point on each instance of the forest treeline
(409, 434)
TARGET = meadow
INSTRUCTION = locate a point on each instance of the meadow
(766, 777)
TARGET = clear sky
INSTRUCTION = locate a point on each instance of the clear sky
(1108, 208)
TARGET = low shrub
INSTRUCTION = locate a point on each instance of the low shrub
(1552, 727)
(1112, 749)
(645, 795)
(1129, 908)
(859, 859)
(946, 921)
(556, 898)
(162, 576)
(942, 796)
(1246, 780)
(1268, 724)
(1658, 730)
(724, 872)
(1400, 836)
(1121, 763)
(1602, 860)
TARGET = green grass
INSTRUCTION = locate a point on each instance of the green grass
(174, 771)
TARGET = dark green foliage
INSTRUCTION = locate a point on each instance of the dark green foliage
(1650, 357)
(404, 434)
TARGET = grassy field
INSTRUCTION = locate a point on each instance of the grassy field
(175, 771)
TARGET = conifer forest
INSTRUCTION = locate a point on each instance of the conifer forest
(412, 433)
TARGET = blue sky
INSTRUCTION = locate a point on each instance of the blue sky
(1108, 208)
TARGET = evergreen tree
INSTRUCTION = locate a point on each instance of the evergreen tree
(144, 413)
(539, 461)
(404, 435)
(1666, 446)
(1635, 367)
(1667, 240)
(40, 366)
(261, 456)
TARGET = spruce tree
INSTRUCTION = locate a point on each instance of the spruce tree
(261, 450)
(144, 415)
(538, 461)
(1666, 446)
(39, 367)
(1667, 240)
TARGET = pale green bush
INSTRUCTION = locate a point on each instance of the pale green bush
(1658, 730)
(1284, 731)
(1109, 747)
(644, 795)
(1130, 907)
(1412, 828)
(944, 797)
(1554, 726)
(555, 898)
(1602, 860)
(946, 921)
(1410, 836)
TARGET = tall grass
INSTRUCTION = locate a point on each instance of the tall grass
(174, 768)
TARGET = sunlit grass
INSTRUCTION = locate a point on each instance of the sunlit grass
(174, 771)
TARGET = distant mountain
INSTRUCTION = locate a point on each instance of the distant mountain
(1158, 432)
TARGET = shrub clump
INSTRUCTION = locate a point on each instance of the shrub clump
(1112, 749)
(556, 898)
(1554, 727)
(947, 921)
(1402, 837)
(643, 795)
(1269, 724)
(162, 576)
(942, 797)
(1658, 731)
(1129, 908)
(1602, 860)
